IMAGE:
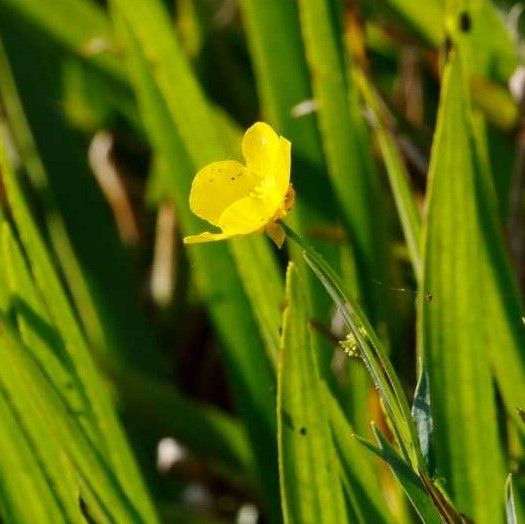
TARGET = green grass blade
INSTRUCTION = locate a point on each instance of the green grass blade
(310, 488)
(37, 332)
(102, 417)
(357, 470)
(372, 353)
(56, 438)
(411, 483)
(455, 340)
(26, 493)
(397, 175)
(263, 293)
(282, 78)
(502, 302)
(56, 167)
(31, 159)
(56, 423)
(493, 57)
(346, 143)
(250, 371)
(469, 23)
(283, 82)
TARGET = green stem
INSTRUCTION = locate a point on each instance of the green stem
(372, 353)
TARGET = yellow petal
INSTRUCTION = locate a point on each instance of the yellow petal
(269, 156)
(260, 147)
(205, 237)
(247, 215)
(283, 166)
(217, 186)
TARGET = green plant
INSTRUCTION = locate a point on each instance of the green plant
(373, 370)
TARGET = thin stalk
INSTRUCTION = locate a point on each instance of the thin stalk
(372, 353)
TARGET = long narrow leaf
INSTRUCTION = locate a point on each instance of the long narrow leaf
(345, 141)
(311, 491)
(412, 484)
(356, 468)
(455, 340)
(101, 416)
(372, 353)
(397, 175)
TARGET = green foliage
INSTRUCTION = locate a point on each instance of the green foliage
(286, 376)
(310, 488)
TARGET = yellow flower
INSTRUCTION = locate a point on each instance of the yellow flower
(246, 199)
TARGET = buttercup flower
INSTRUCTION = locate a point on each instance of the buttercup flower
(246, 199)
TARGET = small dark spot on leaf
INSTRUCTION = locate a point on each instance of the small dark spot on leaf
(428, 296)
(465, 22)
(521, 413)
(303, 431)
(288, 421)
(232, 178)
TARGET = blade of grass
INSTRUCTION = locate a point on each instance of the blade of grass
(454, 341)
(382, 373)
(397, 175)
(28, 151)
(47, 347)
(411, 483)
(345, 142)
(310, 488)
(493, 57)
(26, 494)
(102, 417)
(55, 424)
(249, 371)
(372, 353)
(502, 301)
(469, 23)
(56, 438)
(357, 470)
(116, 326)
